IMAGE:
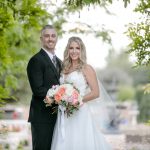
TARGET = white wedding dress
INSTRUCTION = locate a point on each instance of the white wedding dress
(79, 131)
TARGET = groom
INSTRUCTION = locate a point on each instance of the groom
(43, 71)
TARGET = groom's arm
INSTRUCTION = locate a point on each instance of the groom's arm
(35, 76)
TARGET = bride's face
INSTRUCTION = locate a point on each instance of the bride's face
(74, 51)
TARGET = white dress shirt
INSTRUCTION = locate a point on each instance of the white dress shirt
(49, 54)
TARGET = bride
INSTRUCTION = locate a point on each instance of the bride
(79, 132)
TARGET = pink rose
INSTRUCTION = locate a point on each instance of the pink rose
(75, 94)
(57, 97)
(61, 91)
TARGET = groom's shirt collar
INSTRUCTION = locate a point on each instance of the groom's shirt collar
(49, 54)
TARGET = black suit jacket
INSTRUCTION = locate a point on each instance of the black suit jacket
(42, 75)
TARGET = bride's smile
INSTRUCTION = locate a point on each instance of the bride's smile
(74, 51)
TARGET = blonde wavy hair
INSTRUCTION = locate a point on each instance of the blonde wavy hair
(67, 60)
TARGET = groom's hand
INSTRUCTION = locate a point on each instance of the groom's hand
(48, 101)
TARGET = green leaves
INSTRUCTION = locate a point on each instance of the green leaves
(139, 35)
(147, 88)
(11, 81)
(126, 93)
(143, 7)
(82, 3)
(20, 21)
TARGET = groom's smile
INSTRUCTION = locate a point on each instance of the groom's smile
(49, 39)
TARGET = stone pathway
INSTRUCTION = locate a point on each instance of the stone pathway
(118, 141)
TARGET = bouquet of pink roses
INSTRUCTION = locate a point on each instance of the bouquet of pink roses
(67, 97)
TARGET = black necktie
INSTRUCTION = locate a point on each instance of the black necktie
(55, 63)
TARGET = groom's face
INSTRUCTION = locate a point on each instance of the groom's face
(49, 39)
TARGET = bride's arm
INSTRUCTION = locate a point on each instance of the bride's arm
(91, 79)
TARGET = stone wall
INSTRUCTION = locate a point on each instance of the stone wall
(130, 138)
(137, 137)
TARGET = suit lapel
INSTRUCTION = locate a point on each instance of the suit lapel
(50, 62)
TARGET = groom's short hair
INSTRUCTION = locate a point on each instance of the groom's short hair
(47, 27)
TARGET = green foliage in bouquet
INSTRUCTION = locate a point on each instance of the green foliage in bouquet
(70, 108)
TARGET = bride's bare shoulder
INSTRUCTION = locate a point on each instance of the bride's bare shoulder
(88, 69)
